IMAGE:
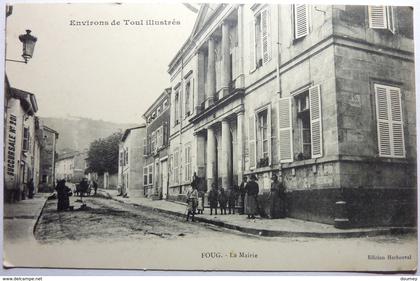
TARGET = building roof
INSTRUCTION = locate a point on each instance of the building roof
(27, 99)
(50, 130)
(127, 131)
(151, 108)
(205, 14)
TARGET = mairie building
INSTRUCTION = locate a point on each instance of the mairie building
(322, 95)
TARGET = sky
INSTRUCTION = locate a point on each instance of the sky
(107, 72)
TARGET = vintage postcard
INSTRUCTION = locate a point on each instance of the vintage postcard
(210, 136)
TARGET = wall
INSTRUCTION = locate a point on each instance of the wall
(136, 160)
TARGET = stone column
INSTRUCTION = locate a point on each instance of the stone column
(211, 157)
(226, 168)
(199, 85)
(240, 144)
(211, 74)
(240, 81)
(226, 62)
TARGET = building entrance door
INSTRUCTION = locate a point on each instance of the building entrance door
(164, 179)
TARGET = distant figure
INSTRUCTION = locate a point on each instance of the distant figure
(213, 198)
(95, 186)
(31, 188)
(63, 191)
(274, 198)
(251, 197)
(192, 200)
(83, 187)
(242, 192)
(232, 198)
(222, 201)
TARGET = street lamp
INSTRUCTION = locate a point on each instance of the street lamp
(28, 42)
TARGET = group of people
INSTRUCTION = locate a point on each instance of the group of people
(64, 192)
(246, 196)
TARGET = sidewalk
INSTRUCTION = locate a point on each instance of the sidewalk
(287, 227)
(20, 218)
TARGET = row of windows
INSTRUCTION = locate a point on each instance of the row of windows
(123, 157)
(187, 103)
(158, 111)
(300, 127)
(380, 17)
(156, 140)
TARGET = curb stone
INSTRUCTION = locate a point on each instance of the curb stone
(283, 233)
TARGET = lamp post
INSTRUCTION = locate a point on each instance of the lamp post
(28, 42)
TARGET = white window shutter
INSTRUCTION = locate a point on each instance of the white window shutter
(252, 142)
(316, 121)
(377, 17)
(270, 155)
(252, 58)
(390, 18)
(265, 35)
(397, 123)
(285, 130)
(383, 121)
(301, 17)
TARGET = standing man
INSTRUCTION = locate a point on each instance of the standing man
(242, 195)
(274, 198)
(213, 198)
(31, 188)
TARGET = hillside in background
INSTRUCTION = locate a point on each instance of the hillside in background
(76, 133)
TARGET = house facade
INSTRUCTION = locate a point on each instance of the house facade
(156, 143)
(48, 159)
(20, 140)
(131, 161)
(322, 95)
(71, 166)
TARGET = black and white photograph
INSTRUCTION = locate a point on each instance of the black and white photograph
(210, 137)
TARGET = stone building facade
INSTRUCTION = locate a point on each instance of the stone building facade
(155, 149)
(322, 95)
(71, 166)
(131, 161)
(48, 159)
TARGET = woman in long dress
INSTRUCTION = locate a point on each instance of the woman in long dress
(251, 200)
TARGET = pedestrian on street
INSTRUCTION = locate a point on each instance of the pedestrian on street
(222, 198)
(95, 186)
(63, 191)
(242, 192)
(31, 188)
(192, 201)
(276, 198)
(251, 197)
(213, 198)
(232, 198)
(200, 206)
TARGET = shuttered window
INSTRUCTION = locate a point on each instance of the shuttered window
(252, 142)
(263, 137)
(252, 58)
(260, 39)
(381, 17)
(316, 121)
(151, 174)
(301, 18)
(145, 176)
(26, 139)
(145, 146)
(285, 130)
(390, 125)
(265, 35)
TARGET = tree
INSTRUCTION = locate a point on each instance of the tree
(103, 154)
